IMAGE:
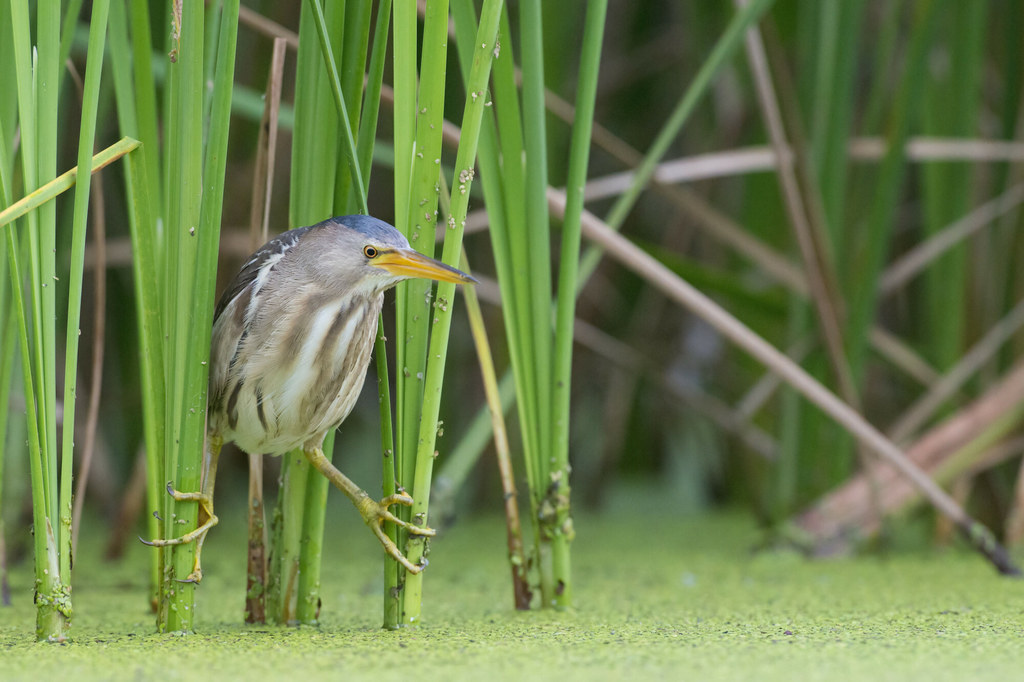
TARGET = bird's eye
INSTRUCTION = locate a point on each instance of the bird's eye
(370, 251)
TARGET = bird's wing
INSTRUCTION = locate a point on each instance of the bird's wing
(247, 275)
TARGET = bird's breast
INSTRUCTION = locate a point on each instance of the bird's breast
(294, 377)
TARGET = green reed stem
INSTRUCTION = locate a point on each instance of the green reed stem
(371, 97)
(8, 318)
(86, 139)
(143, 197)
(333, 81)
(184, 141)
(31, 418)
(535, 242)
(306, 547)
(558, 471)
(310, 200)
(47, 73)
(414, 297)
(472, 117)
(36, 74)
(502, 176)
(194, 213)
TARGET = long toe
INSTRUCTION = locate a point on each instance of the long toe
(196, 576)
(395, 553)
(398, 498)
(407, 501)
(197, 536)
(376, 514)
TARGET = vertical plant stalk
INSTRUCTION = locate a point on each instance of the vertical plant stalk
(8, 339)
(952, 111)
(371, 97)
(135, 95)
(483, 54)
(311, 542)
(256, 556)
(142, 191)
(351, 54)
(536, 242)
(322, 185)
(49, 621)
(184, 140)
(417, 222)
(282, 582)
(46, 74)
(414, 297)
(39, 518)
(99, 297)
(531, 252)
(333, 81)
(560, 528)
(54, 599)
(196, 231)
(314, 148)
(348, 179)
(521, 593)
(364, 146)
(259, 228)
(87, 136)
(392, 569)
(507, 194)
(503, 181)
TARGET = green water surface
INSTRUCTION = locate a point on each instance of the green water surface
(656, 599)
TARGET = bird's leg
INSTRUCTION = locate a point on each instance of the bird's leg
(206, 519)
(374, 513)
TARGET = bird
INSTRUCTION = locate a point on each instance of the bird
(291, 341)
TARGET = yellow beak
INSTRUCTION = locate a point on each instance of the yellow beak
(409, 263)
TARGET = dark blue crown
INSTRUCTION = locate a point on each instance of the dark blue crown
(369, 226)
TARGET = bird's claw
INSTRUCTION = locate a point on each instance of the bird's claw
(197, 536)
(376, 513)
(195, 577)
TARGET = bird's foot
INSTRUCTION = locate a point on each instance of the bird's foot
(197, 536)
(376, 513)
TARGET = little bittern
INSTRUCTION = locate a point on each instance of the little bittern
(292, 336)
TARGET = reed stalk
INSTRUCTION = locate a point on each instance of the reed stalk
(36, 94)
(424, 317)
(332, 45)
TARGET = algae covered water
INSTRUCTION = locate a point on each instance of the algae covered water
(678, 599)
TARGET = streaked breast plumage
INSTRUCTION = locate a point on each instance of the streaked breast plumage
(262, 367)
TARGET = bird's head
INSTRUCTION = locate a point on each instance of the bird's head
(380, 256)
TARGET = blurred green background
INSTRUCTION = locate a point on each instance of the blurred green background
(897, 127)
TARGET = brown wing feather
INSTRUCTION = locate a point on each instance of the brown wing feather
(247, 275)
